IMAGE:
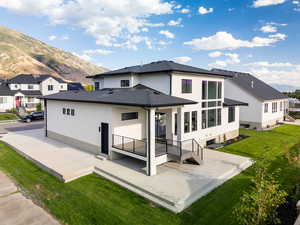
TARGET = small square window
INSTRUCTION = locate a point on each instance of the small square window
(72, 112)
(186, 86)
(124, 83)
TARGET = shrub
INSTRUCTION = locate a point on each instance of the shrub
(258, 206)
(39, 107)
(292, 154)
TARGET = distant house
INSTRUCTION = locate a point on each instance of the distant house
(294, 105)
(155, 112)
(24, 90)
(74, 86)
(267, 106)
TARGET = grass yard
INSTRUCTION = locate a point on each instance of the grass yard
(92, 200)
(8, 116)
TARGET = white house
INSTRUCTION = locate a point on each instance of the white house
(155, 112)
(24, 90)
(294, 105)
(267, 106)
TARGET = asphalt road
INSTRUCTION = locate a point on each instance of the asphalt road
(20, 126)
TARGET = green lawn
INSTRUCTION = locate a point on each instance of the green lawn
(93, 200)
(8, 116)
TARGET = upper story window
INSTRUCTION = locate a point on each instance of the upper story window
(266, 108)
(186, 86)
(97, 85)
(30, 86)
(211, 90)
(16, 86)
(231, 114)
(50, 87)
(124, 83)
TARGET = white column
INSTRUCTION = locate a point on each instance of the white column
(180, 125)
(151, 164)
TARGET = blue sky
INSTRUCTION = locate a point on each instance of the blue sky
(257, 36)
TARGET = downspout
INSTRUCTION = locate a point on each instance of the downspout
(45, 116)
(170, 76)
(148, 143)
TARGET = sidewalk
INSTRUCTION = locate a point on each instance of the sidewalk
(15, 209)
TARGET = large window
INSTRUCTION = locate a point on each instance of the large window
(124, 83)
(186, 122)
(219, 117)
(274, 107)
(97, 86)
(231, 114)
(219, 90)
(130, 116)
(194, 120)
(204, 119)
(212, 117)
(204, 89)
(3, 100)
(186, 86)
(266, 107)
(212, 90)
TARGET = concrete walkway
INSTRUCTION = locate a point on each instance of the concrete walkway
(297, 122)
(174, 187)
(15, 209)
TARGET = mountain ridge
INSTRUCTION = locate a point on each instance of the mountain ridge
(22, 54)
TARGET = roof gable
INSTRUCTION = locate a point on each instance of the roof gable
(32, 79)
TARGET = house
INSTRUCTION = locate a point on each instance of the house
(294, 105)
(24, 90)
(267, 106)
(154, 112)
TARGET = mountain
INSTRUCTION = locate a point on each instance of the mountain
(20, 53)
(285, 88)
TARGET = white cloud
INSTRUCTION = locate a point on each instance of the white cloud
(297, 9)
(66, 37)
(215, 54)
(185, 11)
(261, 3)
(225, 40)
(109, 22)
(296, 2)
(83, 56)
(175, 22)
(278, 36)
(202, 10)
(231, 9)
(52, 37)
(230, 59)
(268, 64)
(268, 29)
(178, 7)
(167, 34)
(98, 51)
(183, 59)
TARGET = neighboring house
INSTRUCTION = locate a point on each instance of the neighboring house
(294, 105)
(24, 90)
(267, 106)
(155, 112)
(74, 86)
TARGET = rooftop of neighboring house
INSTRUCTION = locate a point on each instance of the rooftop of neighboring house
(32, 79)
(6, 91)
(138, 95)
(75, 86)
(253, 85)
(159, 66)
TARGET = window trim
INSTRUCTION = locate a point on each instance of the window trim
(231, 119)
(135, 116)
(127, 83)
(97, 85)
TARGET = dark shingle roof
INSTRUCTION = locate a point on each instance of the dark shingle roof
(159, 66)
(75, 86)
(5, 91)
(32, 79)
(139, 95)
(259, 89)
(231, 102)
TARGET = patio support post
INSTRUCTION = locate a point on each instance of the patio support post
(151, 165)
(179, 124)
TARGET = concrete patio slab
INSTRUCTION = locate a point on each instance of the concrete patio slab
(15, 209)
(63, 161)
(176, 186)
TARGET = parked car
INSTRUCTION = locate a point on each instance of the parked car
(33, 116)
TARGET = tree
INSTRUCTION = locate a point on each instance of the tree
(258, 206)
